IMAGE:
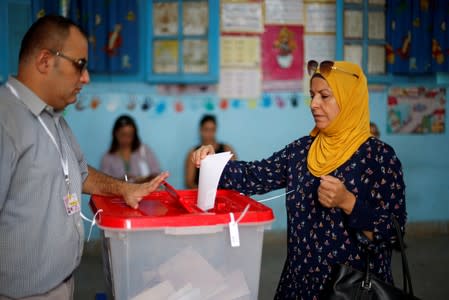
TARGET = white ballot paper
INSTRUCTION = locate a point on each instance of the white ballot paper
(210, 171)
(159, 292)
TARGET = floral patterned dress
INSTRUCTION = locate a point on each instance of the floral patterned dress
(320, 237)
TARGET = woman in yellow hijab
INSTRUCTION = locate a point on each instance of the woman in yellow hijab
(342, 186)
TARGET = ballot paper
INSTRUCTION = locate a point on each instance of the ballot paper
(211, 168)
(159, 292)
(188, 292)
(189, 276)
(189, 267)
(235, 287)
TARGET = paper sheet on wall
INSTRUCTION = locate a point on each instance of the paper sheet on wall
(210, 172)
(284, 12)
(240, 83)
(240, 51)
(320, 17)
(241, 17)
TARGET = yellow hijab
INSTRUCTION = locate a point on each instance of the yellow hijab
(335, 144)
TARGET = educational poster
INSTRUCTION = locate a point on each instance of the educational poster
(319, 47)
(376, 25)
(241, 17)
(195, 54)
(283, 57)
(353, 53)
(165, 56)
(239, 83)
(195, 18)
(165, 16)
(320, 17)
(284, 12)
(353, 24)
(416, 110)
(240, 51)
(376, 59)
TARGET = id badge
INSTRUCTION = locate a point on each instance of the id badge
(72, 204)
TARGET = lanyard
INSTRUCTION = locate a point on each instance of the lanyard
(64, 163)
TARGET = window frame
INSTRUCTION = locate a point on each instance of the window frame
(213, 39)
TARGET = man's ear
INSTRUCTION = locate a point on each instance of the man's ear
(43, 61)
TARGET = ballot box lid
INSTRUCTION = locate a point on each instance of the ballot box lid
(177, 208)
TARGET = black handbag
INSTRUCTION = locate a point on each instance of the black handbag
(351, 284)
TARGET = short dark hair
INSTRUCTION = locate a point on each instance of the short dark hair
(208, 118)
(124, 120)
(50, 31)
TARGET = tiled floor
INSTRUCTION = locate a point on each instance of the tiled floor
(428, 258)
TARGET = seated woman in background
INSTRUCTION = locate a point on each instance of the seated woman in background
(127, 157)
(208, 129)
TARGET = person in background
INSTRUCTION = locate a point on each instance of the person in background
(43, 171)
(128, 157)
(343, 186)
(374, 130)
(208, 130)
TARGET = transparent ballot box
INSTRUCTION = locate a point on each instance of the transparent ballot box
(169, 249)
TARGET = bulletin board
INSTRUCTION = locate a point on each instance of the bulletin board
(262, 47)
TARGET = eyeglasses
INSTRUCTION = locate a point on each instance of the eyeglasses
(325, 68)
(79, 63)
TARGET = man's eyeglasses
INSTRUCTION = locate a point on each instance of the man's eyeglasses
(325, 67)
(79, 63)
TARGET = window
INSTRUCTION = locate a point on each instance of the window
(364, 35)
(183, 41)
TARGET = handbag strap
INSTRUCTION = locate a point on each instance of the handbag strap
(407, 280)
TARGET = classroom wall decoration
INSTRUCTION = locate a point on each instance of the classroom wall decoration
(262, 47)
(160, 104)
(417, 36)
(283, 57)
(112, 28)
(417, 110)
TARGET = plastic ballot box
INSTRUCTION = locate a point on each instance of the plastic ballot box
(169, 249)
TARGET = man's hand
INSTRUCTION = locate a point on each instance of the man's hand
(101, 184)
(133, 193)
(333, 193)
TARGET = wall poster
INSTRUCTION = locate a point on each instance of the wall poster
(417, 110)
(283, 57)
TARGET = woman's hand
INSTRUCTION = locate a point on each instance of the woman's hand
(333, 193)
(201, 153)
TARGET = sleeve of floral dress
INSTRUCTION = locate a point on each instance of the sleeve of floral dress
(383, 198)
(257, 177)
